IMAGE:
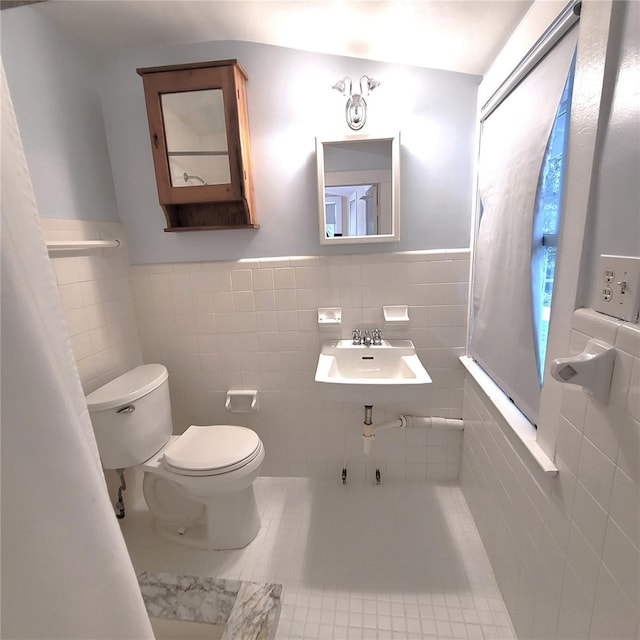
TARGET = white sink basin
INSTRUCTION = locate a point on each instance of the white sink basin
(394, 362)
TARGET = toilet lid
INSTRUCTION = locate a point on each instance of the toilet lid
(128, 387)
(212, 449)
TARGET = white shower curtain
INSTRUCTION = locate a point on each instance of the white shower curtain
(66, 572)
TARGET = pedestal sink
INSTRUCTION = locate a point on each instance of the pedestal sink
(364, 373)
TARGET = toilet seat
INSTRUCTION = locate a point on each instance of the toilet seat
(211, 450)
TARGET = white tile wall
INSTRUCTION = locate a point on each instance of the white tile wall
(253, 324)
(96, 299)
(566, 551)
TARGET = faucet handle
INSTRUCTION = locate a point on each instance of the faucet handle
(376, 334)
(356, 336)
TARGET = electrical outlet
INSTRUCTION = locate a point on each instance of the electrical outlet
(618, 287)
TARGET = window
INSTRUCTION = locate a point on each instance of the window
(546, 223)
(519, 190)
(330, 217)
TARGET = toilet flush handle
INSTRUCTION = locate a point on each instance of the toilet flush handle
(130, 408)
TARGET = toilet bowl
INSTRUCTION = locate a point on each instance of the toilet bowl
(217, 509)
(199, 485)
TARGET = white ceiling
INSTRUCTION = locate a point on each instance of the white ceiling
(455, 35)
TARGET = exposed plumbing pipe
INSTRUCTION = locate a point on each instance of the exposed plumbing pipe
(369, 431)
(435, 423)
(121, 488)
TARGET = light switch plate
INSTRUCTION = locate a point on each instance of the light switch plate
(617, 287)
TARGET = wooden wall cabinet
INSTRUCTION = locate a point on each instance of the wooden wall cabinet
(199, 128)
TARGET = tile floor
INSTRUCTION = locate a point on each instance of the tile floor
(399, 560)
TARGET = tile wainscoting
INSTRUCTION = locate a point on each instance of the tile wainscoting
(252, 324)
(565, 550)
(96, 300)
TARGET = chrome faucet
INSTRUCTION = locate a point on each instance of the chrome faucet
(367, 337)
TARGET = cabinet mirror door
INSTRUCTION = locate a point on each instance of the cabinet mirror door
(358, 190)
(199, 130)
(196, 138)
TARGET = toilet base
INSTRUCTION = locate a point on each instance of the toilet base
(208, 512)
(229, 521)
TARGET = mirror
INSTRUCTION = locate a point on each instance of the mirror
(358, 189)
(196, 138)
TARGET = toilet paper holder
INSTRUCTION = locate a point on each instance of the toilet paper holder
(242, 400)
(592, 369)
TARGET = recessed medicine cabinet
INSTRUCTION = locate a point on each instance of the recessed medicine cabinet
(199, 128)
(358, 189)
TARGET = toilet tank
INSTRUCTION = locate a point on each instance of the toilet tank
(131, 416)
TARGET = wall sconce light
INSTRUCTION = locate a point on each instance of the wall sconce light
(356, 107)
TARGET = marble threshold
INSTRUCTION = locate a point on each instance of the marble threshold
(248, 610)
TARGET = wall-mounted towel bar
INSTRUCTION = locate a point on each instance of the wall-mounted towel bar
(59, 246)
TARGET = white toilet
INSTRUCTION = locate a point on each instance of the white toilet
(198, 486)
